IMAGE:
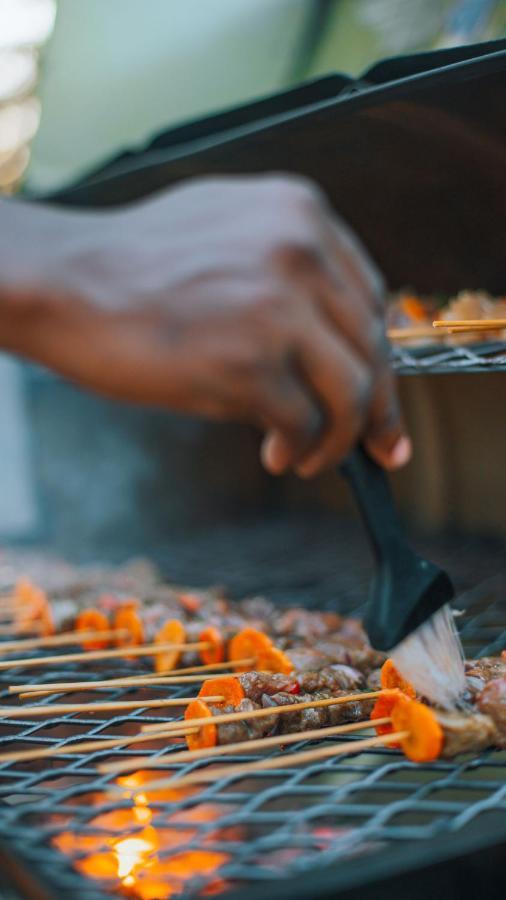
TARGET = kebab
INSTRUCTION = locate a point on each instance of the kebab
(135, 625)
(58, 622)
(434, 733)
(279, 703)
(423, 733)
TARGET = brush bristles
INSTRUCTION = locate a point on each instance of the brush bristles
(432, 659)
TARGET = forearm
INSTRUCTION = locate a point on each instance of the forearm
(36, 242)
(27, 231)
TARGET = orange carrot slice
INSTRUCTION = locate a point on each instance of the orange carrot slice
(127, 619)
(45, 622)
(207, 735)
(33, 605)
(383, 708)
(425, 739)
(216, 652)
(274, 660)
(173, 632)
(392, 678)
(248, 644)
(93, 620)
(414, 308)
(230, 688)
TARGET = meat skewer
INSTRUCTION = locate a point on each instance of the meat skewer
(178, 676)
(334, 677)
(59, 623)
(434, 733)
(424, 734)
(178, 728)
(95, 655)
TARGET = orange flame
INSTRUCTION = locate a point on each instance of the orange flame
(127, 849)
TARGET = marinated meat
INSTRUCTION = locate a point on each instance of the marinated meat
(465, 733)
(352, 652)
(333, 678)
(299, 623)
(256, 608)
(486, 668)
(492, 702)
(247, 730)
(258, 684)
(374, 680)
(299, 719)
(310, 659)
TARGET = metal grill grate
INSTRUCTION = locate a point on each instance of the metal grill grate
(489, 356)
(236, 833)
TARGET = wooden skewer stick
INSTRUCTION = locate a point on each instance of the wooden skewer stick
(122, 683)
(496, 324)
(410, 332)
(474, 330)
(94, 655)
(240, 716)
(15, 756)
(314, 734)
(61, 640)
(55, 709)
(16, 628)
(176, 676)
(279, 762)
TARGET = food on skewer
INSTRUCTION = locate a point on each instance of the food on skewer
(437, 733)
(480, 671)
(33, 613)
(492, 702)
(471, 729)
(409, 318)
(298, 656)
(255, 691)
(140, 624)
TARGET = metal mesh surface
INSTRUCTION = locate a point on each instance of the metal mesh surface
(235, 832)
(433, 359)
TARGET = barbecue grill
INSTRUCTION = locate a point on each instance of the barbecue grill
(371, 825)
(359, 826)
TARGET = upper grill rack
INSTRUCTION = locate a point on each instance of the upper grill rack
(488, 356)
(238, 833)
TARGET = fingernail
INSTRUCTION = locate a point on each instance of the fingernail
(273, 454)
(401, 453)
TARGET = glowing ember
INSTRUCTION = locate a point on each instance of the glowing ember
(127, 848)
(133, 853)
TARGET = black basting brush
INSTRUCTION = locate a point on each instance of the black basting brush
(408, 612)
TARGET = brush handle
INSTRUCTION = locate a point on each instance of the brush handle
(371, 488)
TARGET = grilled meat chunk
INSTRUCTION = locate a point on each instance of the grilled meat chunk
(299, 623)
(374, 680)
(258, 684)
(333, 678)
(352, 652)
(299, 719)
(465, 733)
(487, 668)
(492, 702)
(309, 659)
(248, 730)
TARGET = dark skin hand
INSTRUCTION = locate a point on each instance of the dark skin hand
(243, 299)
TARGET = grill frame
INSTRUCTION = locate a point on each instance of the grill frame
(443, 849)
